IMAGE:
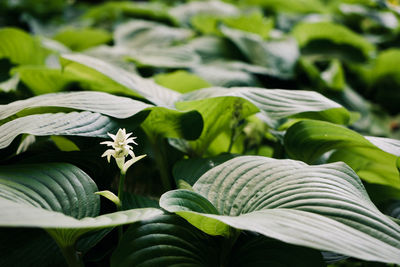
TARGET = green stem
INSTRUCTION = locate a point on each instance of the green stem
(72, 257)
(120, 196)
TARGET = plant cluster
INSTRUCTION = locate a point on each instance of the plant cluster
(154, 133)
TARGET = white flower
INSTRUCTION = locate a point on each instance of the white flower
(121, 149)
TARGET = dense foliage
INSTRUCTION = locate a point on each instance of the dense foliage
(264, 133)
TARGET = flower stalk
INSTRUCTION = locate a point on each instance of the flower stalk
(120, 150)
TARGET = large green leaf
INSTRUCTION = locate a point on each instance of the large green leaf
(332, 40)
(50, 196)
(164, 122)
(107, 104)
(294, 6)
(141, 33)
(74, 123)
(218, 114)
(291, 201)
(374, 160)
(169, 57)
(165, 240)
(140, 86)
(20, 48)
(81, 39)
(276, 104)
(115, 11)
(181, 81)
(42, 80)
(184, 12)
(278, 57)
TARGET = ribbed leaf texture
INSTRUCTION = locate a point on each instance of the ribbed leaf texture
(324, 207)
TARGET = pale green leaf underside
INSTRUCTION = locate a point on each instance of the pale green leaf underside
(276, 104)
(142, 33)
(144, 87)
(277, 57)
(324, 207)
(114, 106)
(58, 197)
(75, 123)
(373, 158)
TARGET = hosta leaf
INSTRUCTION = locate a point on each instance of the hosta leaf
(163, 122)
(146, 88)
(276, 104)
(75, 123)
(81, 39)
(190, 170)
(142, 33)
(169, 57)
(291, 201)
(302, 6)
(277, 57)
(20, 48)
(308, 140)
(218, 113)
(114, 106)
(42, 80)
(165, 240)
(184, 12)
(224, 75)
(50, 196)
(329, 39)
(388, 145)
(181, 81)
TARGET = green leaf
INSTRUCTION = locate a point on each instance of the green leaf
(254, 23)
(293, 6)
(332, 40)
(291, 201)
(224, 74)
(181, 81)
(165, 240)
(133, 201)
(191, 169)
(42, 80)
(21, 48)
(81, 39)
(107, 104)
(218, 113)
(75, 123)
(64, 144)
(184, 12)
(99, 69)
(277, 57)
(308, 140)
(276, 104)
(169, 57)
(114, 11)
(50, 196)
(164, 122)
(141, 33)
